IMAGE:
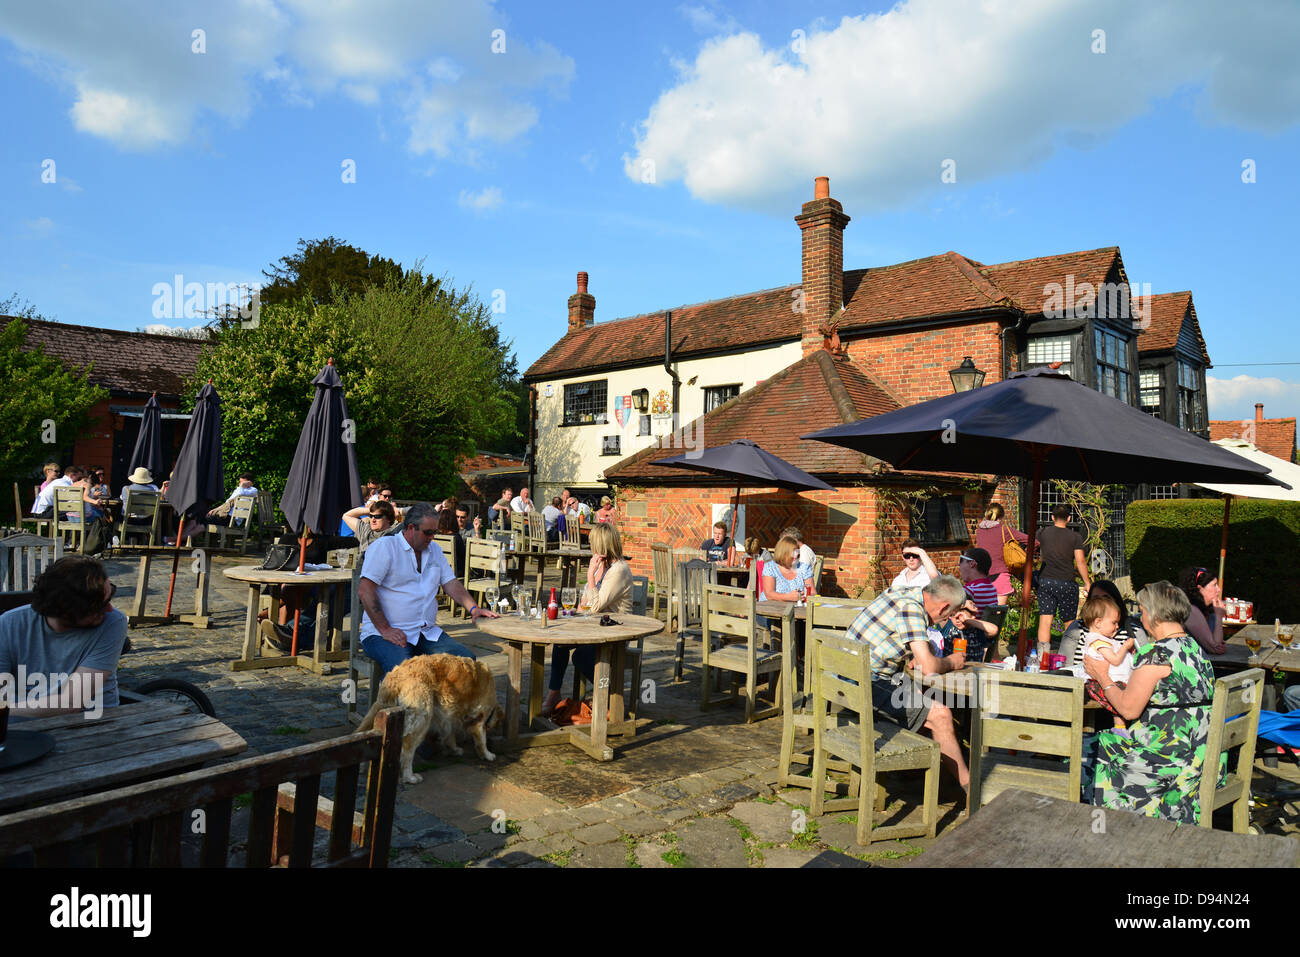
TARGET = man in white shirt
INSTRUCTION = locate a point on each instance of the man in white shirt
(521, 502)
(43, 507)
(399, 586)
(805, 553)
(221, 514)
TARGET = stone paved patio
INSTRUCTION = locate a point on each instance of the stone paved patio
(693, 790)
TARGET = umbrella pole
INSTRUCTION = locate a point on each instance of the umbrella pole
(297, 611)
(176, 560)
(735, 507)
(1022, 645)
(1223, 542)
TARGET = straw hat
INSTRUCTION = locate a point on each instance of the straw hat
(142, 476)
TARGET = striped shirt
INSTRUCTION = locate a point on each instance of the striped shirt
(888, 626)
(982, 592)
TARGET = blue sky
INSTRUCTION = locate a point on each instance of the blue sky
(513, 170)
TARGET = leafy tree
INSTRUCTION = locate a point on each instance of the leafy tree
(321, 265)
(39, 399)
(423, 369)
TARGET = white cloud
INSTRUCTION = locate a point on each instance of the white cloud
(589, 161)
(140, 85)
(708, 18)
(489, 197)
(1235, 398)
(879, 102)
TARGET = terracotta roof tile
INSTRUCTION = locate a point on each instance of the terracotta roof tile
(1170, 312)
(136, 362)
(1274, 436)
(1025, 280)
(486, 461)
(816, 392)
(934, 286)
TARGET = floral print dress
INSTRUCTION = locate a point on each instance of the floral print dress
(1155, 769)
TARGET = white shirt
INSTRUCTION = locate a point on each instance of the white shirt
(240, 490)
(806, 555)
(46, 498)
(409, 598)
(920, 581)
(519, 505)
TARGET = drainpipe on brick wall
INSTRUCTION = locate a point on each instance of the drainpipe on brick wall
(668, 355)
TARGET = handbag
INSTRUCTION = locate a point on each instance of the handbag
(1013, 553)
(281, 558)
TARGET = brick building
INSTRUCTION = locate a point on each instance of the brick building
(131, 366)
(1274, 436)
(794, 359)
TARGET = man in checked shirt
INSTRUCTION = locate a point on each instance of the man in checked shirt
(894, 625)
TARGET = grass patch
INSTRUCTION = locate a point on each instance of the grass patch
(763, 799)
(439, 862)
(559, 858)
(289, 729)
(754, 856)
(630, 843)
(740, 826)
(674, 858)
(570, 760)
(847, 819)
(806, 841)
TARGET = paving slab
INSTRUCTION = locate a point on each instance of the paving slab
(600, 855)
(651, 855)
(596, 833)
(787, 857)
(711, 842)
(642, 824)
(767, 822)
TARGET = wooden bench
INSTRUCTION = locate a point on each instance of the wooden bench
(143, 825)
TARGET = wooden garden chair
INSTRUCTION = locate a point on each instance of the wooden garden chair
(241, 522)
(825, 614)
(359, 663)
(1030, 719)
(483, 560)
(688, 589)
(21, 521)
(23, 557)
(70, 517)
(141, 517)
(1234, 724)
(842, 680)
(662, 557)
(729, 613)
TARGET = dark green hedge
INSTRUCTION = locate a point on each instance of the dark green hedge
(1263, 561)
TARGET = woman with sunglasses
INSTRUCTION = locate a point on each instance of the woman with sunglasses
(918, 568)
(1205, 623)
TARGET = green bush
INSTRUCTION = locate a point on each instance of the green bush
(1263, 560)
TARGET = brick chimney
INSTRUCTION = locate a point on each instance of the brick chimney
(822, 223)
(1259, 411)
(582, 306)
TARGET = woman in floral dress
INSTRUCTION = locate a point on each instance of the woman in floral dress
(1154, 767)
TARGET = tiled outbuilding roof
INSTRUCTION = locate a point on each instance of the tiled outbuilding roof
(123, 362)
(1274, 436)
(816, 392)
(1170, 313)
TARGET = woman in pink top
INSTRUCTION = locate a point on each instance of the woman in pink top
(990, 535)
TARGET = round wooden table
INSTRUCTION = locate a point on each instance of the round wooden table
(329, 617)
(608, 713)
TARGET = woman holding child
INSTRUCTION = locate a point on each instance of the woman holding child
(1154, 766)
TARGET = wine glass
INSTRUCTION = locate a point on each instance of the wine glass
(568, 598)
(1285, 634)
(490, 597)
(1252, 643)
(588, 597)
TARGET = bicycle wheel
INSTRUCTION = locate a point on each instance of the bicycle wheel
(181, 692)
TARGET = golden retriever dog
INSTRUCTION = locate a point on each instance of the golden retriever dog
(440, 693)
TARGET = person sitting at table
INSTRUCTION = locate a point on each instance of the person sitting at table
(521, 502)
(552, 517)
(500, 511)
(806, 554)
(368, 522)
(966, 623)
(991, 534)
(399, 592)
(463, 527)
(141, 480)
(221, 514)
(96, 495)
(1156, 769)
(51, 472)
(43, 507)
(1101, 616)
(894, 625)
(1205, 620)
(447, 526)
(70, 629)
(918, 568)
(1072, 635)
(785, 578)
(609, 590)
(606, 511)
(716, 548)
(973, 567)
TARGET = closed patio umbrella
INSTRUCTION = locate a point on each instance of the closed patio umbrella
(148, 451)
(323, 482)
(197, 480)
(1041, 424)
(747, 463)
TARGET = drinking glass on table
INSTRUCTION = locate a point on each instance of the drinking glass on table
(1285, 634)
(490, 597)
(1252, 643)
(568, 598)
(521, 599)
(588, 596)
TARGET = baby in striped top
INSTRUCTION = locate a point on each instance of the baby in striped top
(1100, 615)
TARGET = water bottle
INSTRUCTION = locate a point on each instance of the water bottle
(1031, 663)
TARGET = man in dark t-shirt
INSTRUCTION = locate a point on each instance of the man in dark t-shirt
(1061, 548)
(715, 549)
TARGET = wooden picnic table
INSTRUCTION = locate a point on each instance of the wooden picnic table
(526, 636)
(734, 576)
(126, 745)
(1018, 829)
(329, 617)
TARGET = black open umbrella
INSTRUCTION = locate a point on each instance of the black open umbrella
(323, 482)
(197, 480)
(148, 451)
(1041, 424)
(747, 464)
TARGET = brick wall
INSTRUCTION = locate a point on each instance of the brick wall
(95, 447)
(915, 364)
(855, 551)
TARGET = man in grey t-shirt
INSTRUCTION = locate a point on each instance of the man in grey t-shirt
(63, 648)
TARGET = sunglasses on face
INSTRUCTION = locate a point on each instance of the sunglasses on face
(386, 496)
(909, 555)
(428, 532)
